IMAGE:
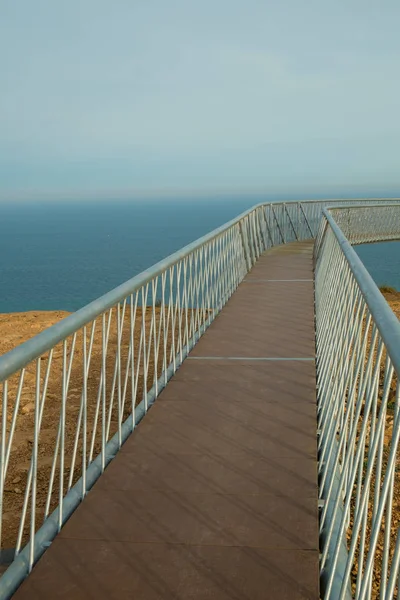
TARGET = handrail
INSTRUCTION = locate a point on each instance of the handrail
(358, 371)
(383, 316)
(144, 329)
(41, 343)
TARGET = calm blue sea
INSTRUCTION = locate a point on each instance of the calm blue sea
(63, 255)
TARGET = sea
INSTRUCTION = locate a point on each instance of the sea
(61, 255)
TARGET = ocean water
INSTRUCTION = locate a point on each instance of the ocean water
(60, 256)
(382, 261)
(63, 255)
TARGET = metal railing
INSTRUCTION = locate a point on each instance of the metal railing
(75, 392)
(358, 367)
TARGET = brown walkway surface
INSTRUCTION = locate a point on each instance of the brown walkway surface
(215, 494)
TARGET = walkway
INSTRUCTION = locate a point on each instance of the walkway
(215, 494)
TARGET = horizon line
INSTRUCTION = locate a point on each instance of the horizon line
(312, 193)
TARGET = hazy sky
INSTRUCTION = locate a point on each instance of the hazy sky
(180, 94)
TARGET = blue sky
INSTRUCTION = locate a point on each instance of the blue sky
(157, 95)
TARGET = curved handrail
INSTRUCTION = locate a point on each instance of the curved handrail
(44, 341)
(41, 343)
(383, 316)
(358, 368)
(200, 277)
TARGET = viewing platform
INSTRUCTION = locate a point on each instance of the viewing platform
(223, 425)
(215, 493)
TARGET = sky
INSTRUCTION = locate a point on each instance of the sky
(158, 96)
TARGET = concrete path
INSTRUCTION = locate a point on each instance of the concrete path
(215, 494)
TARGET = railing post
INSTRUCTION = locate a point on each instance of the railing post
(291, 222)
(305, 218)
(277, 224)
(252, 238)
(257, 239)
(267, 226)
(245, 249)
(319, 240)
(261, 220)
